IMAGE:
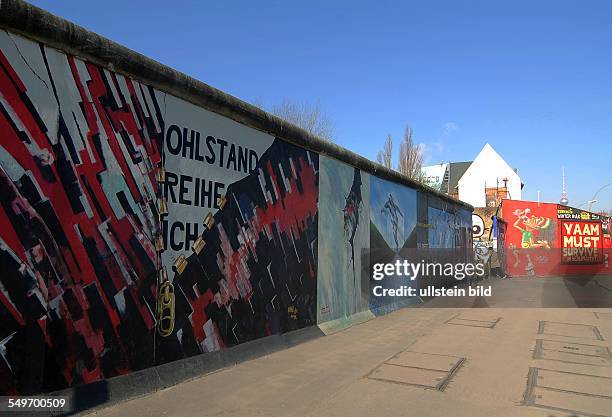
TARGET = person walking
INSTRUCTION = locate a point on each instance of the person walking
(495, 266)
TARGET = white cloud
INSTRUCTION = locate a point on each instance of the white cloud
(425, 151)
(438, 146)
(449, 127)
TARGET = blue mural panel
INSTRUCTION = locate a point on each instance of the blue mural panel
(393, 221)
(344, 197)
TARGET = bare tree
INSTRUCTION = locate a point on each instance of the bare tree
(410, 157)
(385, 155)
(309, 117)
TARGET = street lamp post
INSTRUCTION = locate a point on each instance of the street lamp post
(593, 200)
(587, 202)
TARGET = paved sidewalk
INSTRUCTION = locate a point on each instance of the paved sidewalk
(391, 365)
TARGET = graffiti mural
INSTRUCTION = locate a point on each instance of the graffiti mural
(80, 151)
(393, 220)
(449, 235)
(344, 197)
(138, 228)
(532, 226)
(482, 223)
(547, 239)
(484, 232)
(203, 154)
(445, 228)
(465, 239)
(392, 215)
(253, 270)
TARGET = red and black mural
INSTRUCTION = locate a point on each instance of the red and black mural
(77, 220)
(85, 293)
(252, 273)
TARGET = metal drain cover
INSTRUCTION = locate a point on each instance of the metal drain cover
(582, 404)
(588, 395)
(424, 360)
(572, 353)
(580, 331)
(573, 382)
(426, 370)
(460, 320)
(410, 376)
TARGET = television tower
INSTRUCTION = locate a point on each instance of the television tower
(564, 201)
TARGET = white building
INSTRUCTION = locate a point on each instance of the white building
(433, 175)
(482, 182)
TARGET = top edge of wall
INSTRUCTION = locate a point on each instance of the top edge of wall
(37, 24)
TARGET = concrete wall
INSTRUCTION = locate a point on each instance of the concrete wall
(147, 217)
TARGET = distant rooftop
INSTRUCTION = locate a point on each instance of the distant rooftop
(452, 172)
(456, 171)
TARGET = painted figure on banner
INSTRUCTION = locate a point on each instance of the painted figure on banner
(530, 226)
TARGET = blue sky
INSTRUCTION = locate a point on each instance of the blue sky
(534, 79)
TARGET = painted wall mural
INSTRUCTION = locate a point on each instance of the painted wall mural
(137, 228)
(532, 226)
(393, 220)
(413, 225)
(344, 211)
(204, 153)
(253, 270)
(80, 147)
(465, 238)
(449, 236)
(484, 232)
(544, 239)
(445, 228)
(393, 215)
(449, 226)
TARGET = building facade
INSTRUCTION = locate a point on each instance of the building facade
(483, 182)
